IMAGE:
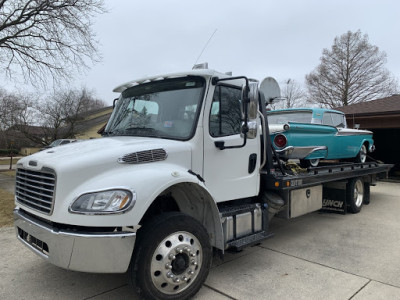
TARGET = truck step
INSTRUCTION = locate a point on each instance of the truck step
(249, 240)
(240, 209)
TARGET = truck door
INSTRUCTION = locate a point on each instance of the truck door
(229, 173)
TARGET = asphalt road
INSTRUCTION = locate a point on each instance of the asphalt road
(316, 256)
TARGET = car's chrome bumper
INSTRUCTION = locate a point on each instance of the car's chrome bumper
(108, 252)
(291, 152)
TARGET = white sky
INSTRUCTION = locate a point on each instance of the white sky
(283, 39)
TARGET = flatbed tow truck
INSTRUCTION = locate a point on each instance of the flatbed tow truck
(185, 169)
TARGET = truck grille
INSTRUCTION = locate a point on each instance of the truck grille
(35, 189)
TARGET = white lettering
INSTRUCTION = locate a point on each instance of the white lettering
(332, 203)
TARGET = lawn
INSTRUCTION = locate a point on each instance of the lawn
(8, 173)
(6, 208)
(7, 161)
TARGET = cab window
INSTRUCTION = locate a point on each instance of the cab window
(225, 114)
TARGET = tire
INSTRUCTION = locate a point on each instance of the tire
(362, 154)
(172, 258)
(355, 194)
(306, 163)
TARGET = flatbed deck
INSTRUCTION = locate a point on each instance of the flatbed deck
(277, 180)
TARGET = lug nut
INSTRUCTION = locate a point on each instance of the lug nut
(170, 275)
(184, 278)
(194, 263)
(168, 266)
(171, 256)
(177, 280)
(186, 249)
(192, 254)
(178, 250)
(190, 272)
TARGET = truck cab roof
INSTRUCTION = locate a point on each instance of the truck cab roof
(207, 73)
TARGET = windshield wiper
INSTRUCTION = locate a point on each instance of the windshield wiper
(147, 131)
(143, 129)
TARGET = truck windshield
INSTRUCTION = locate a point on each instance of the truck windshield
(162, 109)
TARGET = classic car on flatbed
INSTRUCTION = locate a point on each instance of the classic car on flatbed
(313, 134)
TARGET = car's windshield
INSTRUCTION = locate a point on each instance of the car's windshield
(55, 143)
(162, 109)
(289, 116)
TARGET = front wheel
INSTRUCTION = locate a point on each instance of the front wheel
(172, 258)
(362, 154)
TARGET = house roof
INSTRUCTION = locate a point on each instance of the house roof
(388, 105)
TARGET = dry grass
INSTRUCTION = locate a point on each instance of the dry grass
(6, 208)
(7, 161)
(8, 173)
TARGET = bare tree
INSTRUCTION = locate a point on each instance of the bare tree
(57, 115)
(14, 108)
(352, 71)
(47, 37)
(292, 93)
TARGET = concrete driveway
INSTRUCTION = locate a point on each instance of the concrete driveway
(317, 256)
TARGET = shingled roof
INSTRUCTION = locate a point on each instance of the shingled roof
(388, 105)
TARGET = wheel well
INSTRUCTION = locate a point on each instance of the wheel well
(163, 203)
(192, 200)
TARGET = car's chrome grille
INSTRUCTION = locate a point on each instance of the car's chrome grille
(35, 189)
(144, 156)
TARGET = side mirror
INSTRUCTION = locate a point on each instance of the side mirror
(250, 101)
(249, 109)
(253, 101)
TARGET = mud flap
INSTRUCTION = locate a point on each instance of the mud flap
(334, 200)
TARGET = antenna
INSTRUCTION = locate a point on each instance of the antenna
(205, 46)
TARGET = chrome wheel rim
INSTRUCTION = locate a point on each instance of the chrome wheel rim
(363, 153)
(314, 162)
(358, 193)
(176, 262)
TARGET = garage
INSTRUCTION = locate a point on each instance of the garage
(382, 116)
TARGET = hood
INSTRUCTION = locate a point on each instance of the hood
(103, 153)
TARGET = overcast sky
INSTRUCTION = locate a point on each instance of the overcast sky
(283, 39)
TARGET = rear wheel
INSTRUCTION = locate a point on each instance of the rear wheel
(355, 194)
(306, 163)
(172, 258)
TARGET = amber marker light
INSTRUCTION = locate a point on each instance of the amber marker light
(276, 184)
(123, 202)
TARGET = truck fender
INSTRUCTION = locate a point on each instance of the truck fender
(193, 199)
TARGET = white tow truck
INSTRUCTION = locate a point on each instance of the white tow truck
(184, 169)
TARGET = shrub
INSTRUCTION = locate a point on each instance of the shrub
(7, 152)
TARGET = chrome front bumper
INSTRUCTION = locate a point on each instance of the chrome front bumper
(78, 251)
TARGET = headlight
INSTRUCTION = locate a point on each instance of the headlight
(104, 202)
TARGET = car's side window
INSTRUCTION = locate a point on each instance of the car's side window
(327, 119)
(225, 114)
(338, 120)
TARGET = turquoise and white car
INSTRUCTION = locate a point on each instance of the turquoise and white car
(313, 134)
